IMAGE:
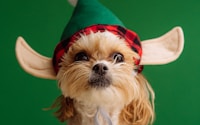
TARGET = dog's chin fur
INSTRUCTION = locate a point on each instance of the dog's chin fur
(127, 98)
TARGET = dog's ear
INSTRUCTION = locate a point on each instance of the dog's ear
(164, 49)
(32, 62)
(65, 108)
(141, 110)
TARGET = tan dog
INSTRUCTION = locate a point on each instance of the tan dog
(100, 74)
(98, 66)
(97, 78)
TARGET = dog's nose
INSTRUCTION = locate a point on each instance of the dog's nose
(100, 69)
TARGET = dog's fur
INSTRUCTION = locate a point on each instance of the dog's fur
(128, 99)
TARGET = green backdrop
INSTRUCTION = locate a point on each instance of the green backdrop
(41, 22)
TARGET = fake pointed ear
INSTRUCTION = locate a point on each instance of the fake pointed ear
(32, 62)
(164, 49)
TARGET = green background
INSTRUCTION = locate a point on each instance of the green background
(41, 23)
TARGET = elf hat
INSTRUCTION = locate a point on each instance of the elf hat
(90, 15)
(87, 13)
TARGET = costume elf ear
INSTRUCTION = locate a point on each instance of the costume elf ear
(33, 62)
(162, 50)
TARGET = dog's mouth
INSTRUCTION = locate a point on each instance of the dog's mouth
(100, 81)
(100, 76)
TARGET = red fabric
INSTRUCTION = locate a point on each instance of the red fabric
(131, 38)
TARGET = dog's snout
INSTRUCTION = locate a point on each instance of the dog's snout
(100, 76)
(100, 68)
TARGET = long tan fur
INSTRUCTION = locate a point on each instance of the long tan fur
(65, 108)
(141, 110)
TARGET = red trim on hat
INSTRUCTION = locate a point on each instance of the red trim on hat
(130, 37)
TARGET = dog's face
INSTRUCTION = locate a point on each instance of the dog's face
(99, 68)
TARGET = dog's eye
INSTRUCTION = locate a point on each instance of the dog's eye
(82, 56)
(118, 57)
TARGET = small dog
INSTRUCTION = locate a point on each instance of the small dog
(98, 72)
(98, 68)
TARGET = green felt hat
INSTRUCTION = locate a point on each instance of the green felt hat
(87, 13)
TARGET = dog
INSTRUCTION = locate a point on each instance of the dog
(99, 69)
(98, 72)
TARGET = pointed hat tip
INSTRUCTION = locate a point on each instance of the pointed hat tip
(73, 2)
